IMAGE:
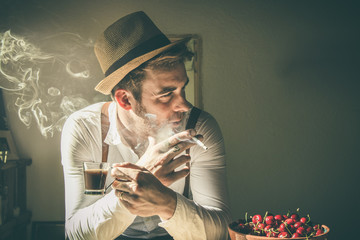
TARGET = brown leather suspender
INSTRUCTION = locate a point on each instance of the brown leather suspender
(194, 115)
(105, 123)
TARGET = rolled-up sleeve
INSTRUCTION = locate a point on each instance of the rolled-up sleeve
(208, 214)
(87, 216)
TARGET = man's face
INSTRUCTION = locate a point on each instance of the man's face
(163, 96)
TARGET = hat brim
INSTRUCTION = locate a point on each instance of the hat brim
(107, 84)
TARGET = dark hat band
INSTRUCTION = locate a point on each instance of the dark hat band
(142, 49)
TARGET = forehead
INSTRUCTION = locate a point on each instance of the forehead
(164, 78)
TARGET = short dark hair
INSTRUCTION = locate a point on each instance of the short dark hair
(167, 60)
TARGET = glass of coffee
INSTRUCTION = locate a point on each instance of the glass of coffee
(95, 174)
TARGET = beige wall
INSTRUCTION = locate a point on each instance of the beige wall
(279, 76)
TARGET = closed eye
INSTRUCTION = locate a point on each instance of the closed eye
(166, 95)
(165, 98)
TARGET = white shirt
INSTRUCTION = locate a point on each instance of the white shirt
(104, 217)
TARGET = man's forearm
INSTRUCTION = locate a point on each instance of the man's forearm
(192, 222)
(168, 209)
(105, 219)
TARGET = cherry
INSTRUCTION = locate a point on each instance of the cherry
(295, 216)
(290, 221)
(318, 232)
(244, 228)
(282, 227)
(278, 218)
(267, 228)
(257, 218)
(301, 230)
(298, 224)
(270, 220)
(272, 234)
(295, 235)
(261, 226)
(316, 227)
(284, 235)
(309, 230)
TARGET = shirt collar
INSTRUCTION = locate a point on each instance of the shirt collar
(112, 137)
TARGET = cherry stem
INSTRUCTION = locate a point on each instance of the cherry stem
(287, 227)
(265, 217)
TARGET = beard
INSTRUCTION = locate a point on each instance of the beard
(160, 130)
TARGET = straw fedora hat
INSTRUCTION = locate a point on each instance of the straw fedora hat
(125, 45)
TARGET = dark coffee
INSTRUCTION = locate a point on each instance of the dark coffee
(95, 179)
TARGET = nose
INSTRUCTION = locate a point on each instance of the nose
(181, 104)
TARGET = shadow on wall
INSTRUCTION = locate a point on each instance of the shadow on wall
(322, 85)
(48, 230)
(326, 64)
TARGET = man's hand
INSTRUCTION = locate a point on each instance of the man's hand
(142, 193)
(160, 159)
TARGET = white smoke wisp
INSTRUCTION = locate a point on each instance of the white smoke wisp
(166, 129)
(44, 83)
(82, 74)
(17, 61)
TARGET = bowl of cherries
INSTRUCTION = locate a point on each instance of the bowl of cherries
(268, 226)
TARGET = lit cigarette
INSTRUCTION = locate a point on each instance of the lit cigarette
(200, 143)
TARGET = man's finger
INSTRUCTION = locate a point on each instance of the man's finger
(122, 186)
(119, 174)
(177, 162)
(175, 139)
(127, 197)
(176, 150)
(130, 171)
(179, 174)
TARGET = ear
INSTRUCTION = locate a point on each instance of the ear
(122, 98)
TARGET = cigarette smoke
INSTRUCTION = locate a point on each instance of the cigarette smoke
(44, 85)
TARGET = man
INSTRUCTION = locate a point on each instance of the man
(146, 140)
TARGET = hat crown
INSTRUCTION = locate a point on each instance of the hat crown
(125, 45)
(124, 36)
